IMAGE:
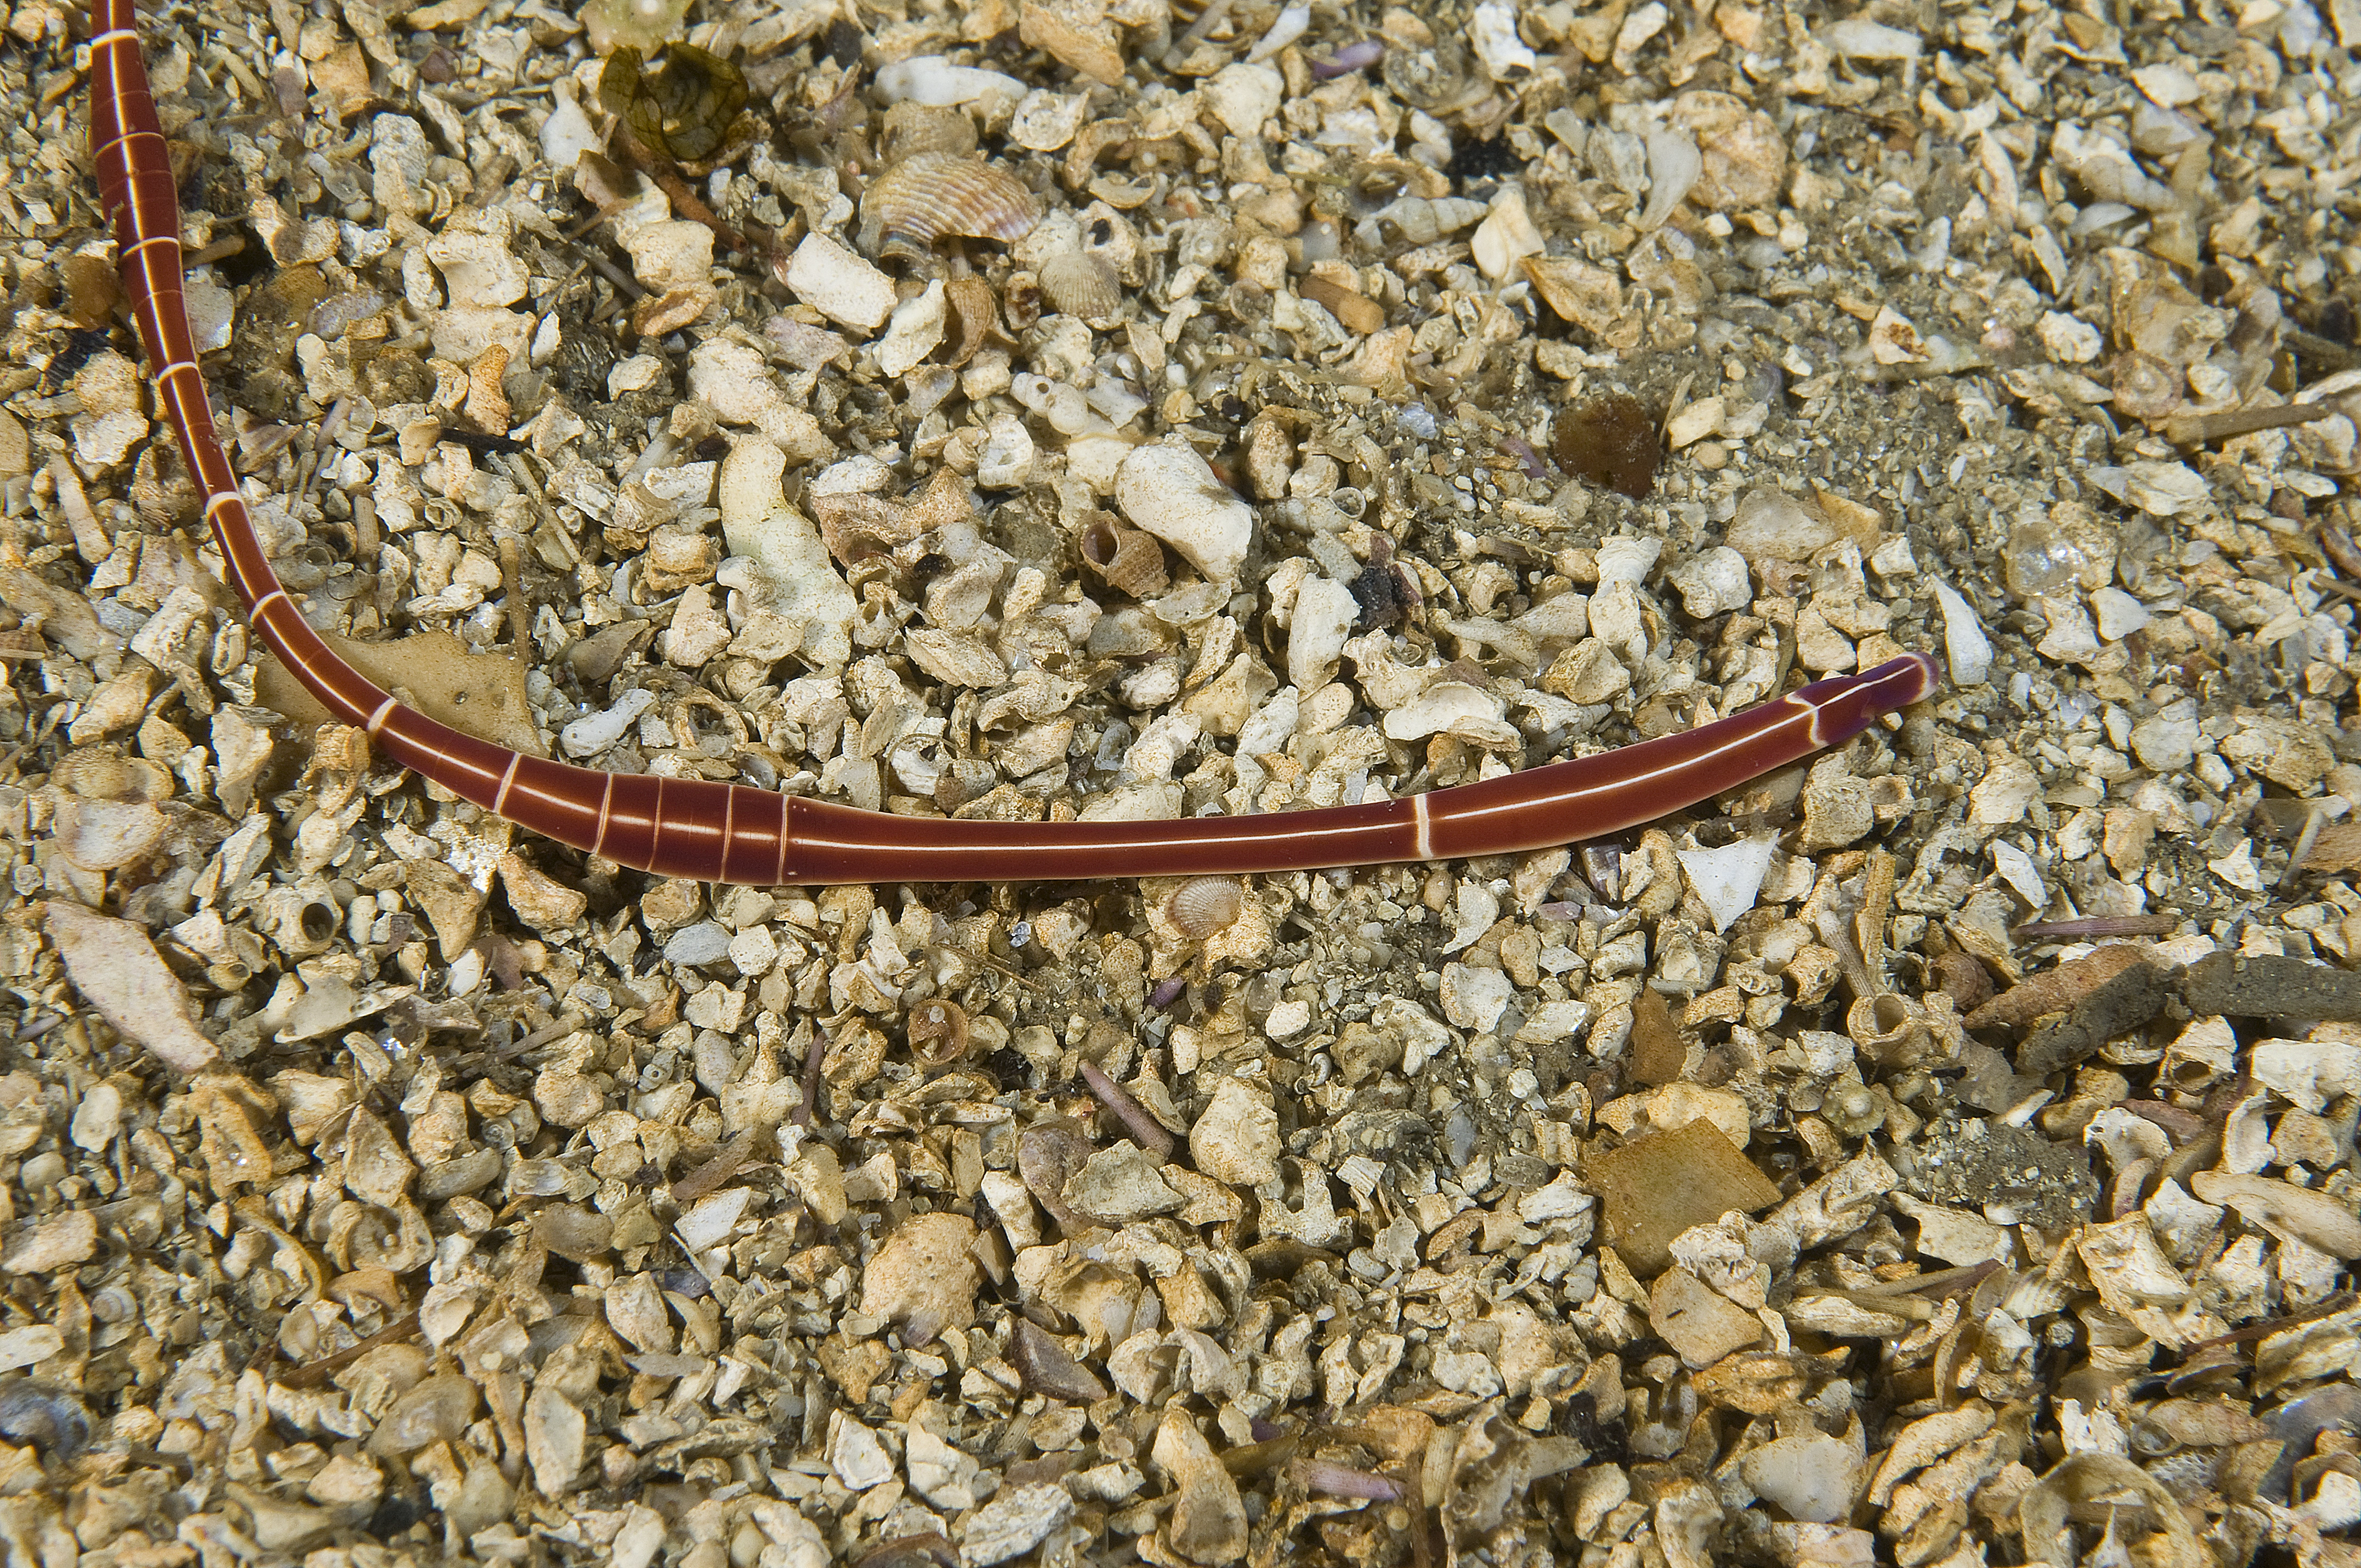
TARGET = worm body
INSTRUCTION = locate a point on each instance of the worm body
(734, 833)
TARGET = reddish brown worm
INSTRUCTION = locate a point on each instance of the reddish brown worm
(734, 833)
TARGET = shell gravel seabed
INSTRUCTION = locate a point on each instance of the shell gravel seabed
(1940, 1153)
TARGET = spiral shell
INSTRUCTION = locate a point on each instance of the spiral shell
(939, 1032)
(1204, 906)
(2147, 389)
(1129, 561)
(1077, 284)
(936, 194)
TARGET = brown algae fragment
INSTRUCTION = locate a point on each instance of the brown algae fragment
(1611, 441)
(685, 108)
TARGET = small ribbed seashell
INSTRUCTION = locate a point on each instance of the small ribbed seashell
(922, 199)
(1205, 906)
(1078, 284)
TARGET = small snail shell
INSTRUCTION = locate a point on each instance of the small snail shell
(2147, 387)
(939, 1032)
(1205, 906)
(1131, 562)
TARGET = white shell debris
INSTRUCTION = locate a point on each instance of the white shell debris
(1729, 878)
(914, 332)
(635, 374)
(1236, 1139)
(794, 599)
(2119, 614)
(1046, 121)
(1967, 651)
(1014, 1522)
(1291, 24)
(2287, 1210)
(1492, 30)
(1809, 1475)
(1005, 461)
(1712, 583)
(114, 965)
(567, 134)
(856, 1454)
(2159, 490)
(1771, 525)
(594, 733)
(1673, 167)
(1857, 38)
(932, 79)
(1507, 236)
(2016, 868)
(1171, 492)
(1243, 96)
(1324, 612)
(839, 284)
(2309, 1073)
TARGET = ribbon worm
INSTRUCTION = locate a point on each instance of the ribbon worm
(734, 833)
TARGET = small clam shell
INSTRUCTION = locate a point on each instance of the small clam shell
(1080, 285)
(1205, 906)
(933, 195)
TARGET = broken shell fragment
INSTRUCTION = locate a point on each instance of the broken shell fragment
(937, 195)
(924, 1277)
(1172, 492)
(2287, 1210)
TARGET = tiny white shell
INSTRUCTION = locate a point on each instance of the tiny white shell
(1204, 906)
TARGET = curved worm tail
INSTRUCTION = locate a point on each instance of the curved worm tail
(733, 833)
